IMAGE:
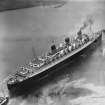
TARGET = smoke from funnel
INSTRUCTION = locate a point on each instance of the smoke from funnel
(87, 23)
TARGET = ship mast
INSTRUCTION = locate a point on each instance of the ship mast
(90, 29)
(33, 52)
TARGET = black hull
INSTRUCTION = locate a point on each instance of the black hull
(32, 82)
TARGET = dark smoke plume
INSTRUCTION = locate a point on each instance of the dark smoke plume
(87, 23)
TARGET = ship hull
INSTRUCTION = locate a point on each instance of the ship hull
(23, 86)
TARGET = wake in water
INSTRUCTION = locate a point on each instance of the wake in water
(65, 92)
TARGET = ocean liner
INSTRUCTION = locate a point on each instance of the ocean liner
(57, 57)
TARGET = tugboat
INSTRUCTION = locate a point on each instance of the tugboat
(4, 100)
(26, 76)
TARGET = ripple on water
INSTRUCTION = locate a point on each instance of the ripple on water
(66, 92)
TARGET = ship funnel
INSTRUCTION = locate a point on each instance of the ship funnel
(79, 33)
(53, 48)
(67, 40)
(103, 30)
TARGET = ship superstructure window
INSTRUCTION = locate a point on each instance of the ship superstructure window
(37, 63)
(22, 72)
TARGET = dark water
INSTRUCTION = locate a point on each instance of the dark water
(82, 83)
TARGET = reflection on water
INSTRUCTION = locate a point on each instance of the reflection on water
(83, 82)
(65, 92)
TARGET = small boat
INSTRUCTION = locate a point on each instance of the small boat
(4, 100)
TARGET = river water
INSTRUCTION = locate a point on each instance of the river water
(82, 83)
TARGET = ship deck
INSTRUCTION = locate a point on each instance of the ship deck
(46, 67)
